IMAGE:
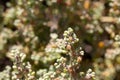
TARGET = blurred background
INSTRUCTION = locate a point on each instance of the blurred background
(28, 24)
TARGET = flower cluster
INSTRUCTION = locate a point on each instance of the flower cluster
(5, 74)
(68, 67)
(90, 74)
(33, 25)
(21, 70)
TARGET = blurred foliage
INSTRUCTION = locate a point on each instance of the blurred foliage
(32, 26)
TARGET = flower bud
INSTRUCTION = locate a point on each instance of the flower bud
(68, 47)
